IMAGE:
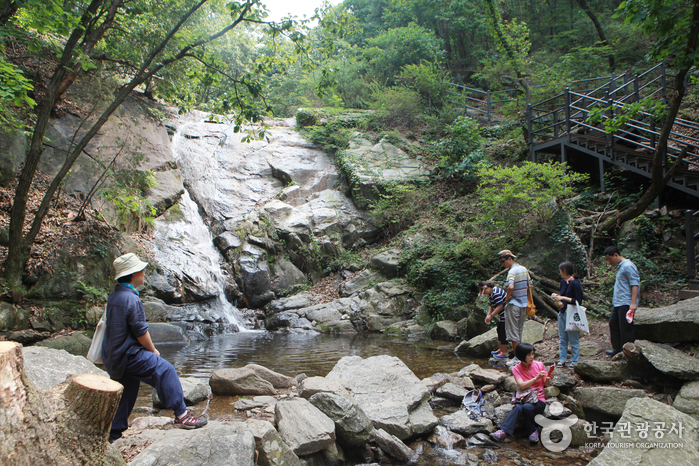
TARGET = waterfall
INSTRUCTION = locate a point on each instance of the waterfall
(183, 247)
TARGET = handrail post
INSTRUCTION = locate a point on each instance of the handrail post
(567, 104)
(487, 98)
(636, 94)
(689, 229)
(663, 85)
(530, 134)
(612, 85)
(610, 115)
(652, 132)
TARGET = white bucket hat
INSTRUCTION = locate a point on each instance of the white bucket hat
(128, 264)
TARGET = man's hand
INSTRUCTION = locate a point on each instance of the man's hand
(488, 318)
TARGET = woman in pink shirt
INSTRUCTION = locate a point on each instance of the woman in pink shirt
(529, 374)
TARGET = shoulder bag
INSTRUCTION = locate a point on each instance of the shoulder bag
(94, 354)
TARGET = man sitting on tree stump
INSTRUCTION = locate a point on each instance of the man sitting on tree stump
(129, 355)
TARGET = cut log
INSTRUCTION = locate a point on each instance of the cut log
(66, 424)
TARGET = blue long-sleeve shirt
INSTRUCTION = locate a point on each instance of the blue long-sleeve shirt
(126, 322)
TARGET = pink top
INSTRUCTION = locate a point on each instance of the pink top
(523, 374)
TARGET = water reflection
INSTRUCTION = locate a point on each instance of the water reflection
(314, 355)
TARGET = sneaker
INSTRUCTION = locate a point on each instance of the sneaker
(560, 364)
(495, 352)
(499, 436)
(534, 437)
(513, 362)
(611, 352)
(190, 421)
(501, 356)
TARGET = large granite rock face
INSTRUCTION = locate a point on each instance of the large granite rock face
(47, 367)
(389, 393)
(607, 400)
(303, 426)
(215, 444)
(672, 449)
(670, 324)
(370, 166)
(669, 360)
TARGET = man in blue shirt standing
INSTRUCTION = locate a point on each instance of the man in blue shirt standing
(129, 355)
(625, 301)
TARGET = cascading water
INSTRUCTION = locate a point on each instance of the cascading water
(183, 246)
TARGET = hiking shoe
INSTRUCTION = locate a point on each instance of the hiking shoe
(611, 352)
(190, 421)
(534, 438)
(560, 364)
(512, 362)
(501, 356)
(495, 352)
(499, 435)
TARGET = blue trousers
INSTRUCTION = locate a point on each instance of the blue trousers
(147, 367)
(567, 337)
(530, 410)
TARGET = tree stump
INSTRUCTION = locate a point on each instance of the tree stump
(66, 424)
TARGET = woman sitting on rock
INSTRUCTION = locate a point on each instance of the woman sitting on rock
(531, 377)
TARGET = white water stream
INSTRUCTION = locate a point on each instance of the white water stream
(183, 244)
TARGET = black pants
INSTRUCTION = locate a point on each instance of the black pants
(620, 330)
(502, 337)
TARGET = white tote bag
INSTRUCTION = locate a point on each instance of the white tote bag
(576, 320)
(94, 354)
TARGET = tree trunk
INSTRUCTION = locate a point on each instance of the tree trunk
(588, 11)
(66, 424)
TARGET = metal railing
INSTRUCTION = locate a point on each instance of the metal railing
(692, 257)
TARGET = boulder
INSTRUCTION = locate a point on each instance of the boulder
(607, 400)
(241, 381)
(47, 367)
(365, 280)
(76, 343)
(352, 426)
(270, 446)
(687, 400)
(386, 263)
(255, 281)
(195, 391)
(393, 446)
(216, 444)
(461, 423)
(312, 385)
(444, 330)
(286, 276)
(276, 379)
(388, 392)
(563, 379)
(672, 448)
(162, 333)
(303, 427)
(670, 324)
(452, 391)
(481, 345)
(296, 301)
(489, 376)
(227, 240)
(669, 360)
(603, 371)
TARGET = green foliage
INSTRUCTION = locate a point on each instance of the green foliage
(91, 295)
(306, 117)
(127, 196)
(429, 79)
(522, 198)
(332, 136)
(615, 117)
(399, 207)
(460, 151)
(397, 107)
